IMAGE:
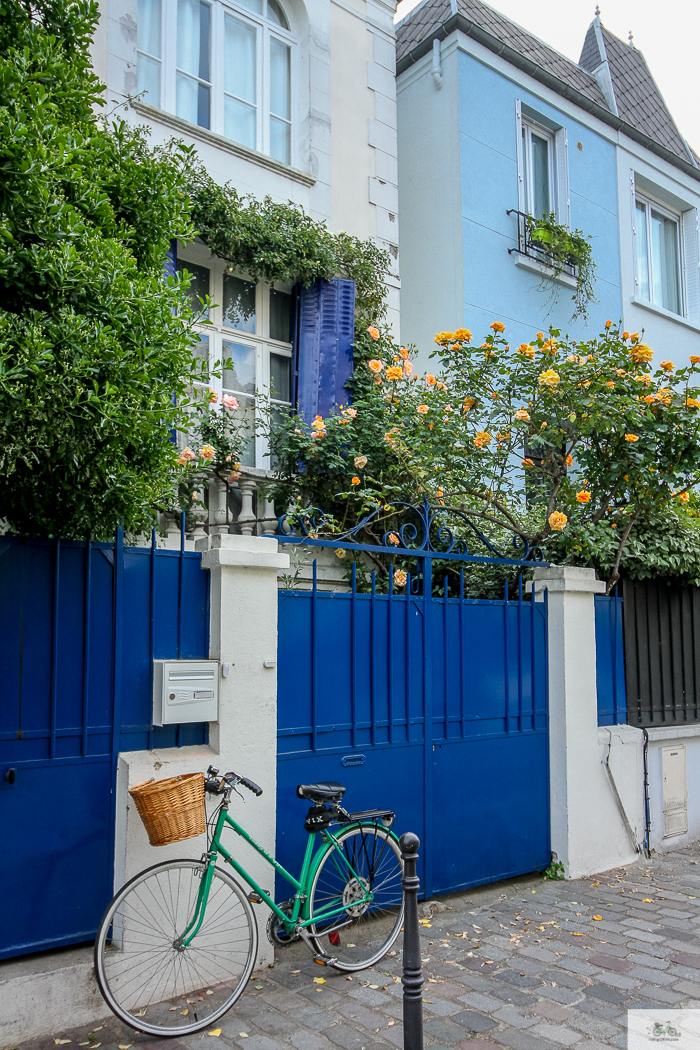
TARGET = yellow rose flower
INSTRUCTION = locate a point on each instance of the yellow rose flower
(360, 462)
(668, 366)
(549, 379)
(522, 415)
(583, 496)
(641, 353)
(482, 439)
(692, 402)
(463, 335)
(400, 578)
(443, 338)
(694, 358)
(684, 497)
(526, 350)
(498, 326)
(631, 437)
(469, 402)
(394, 372)
(557, 521)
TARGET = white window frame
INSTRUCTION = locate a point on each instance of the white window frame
(677, 217)
(259, 341)
(557, 138)
(265, 29)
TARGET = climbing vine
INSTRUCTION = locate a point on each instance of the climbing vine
(565, 247)
(280, 242)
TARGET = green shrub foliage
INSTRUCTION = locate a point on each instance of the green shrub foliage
(94, 343)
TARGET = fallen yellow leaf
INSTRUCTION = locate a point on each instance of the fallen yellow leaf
(124, 1046)
(595, 884)
(183, 1012)
(647, 900)
(598, 918)
(319, 980)
(578, 935)
(214, 1031)
(60, 1042)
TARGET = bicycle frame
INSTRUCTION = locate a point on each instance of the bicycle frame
(309, 865)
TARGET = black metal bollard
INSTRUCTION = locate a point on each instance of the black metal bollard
(412, 977)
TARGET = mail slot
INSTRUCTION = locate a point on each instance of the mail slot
(185, 691)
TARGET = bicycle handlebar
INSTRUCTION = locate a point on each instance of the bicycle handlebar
(229, 780)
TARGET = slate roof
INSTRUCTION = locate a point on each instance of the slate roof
(640, 105)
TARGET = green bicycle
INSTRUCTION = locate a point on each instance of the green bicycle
(177, 944)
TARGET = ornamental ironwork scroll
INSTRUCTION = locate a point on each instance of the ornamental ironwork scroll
(429, 530)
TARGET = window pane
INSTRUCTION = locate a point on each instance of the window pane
(239, 304)
(192, 103)
(664, 240)
(279, 78)
(239, 59)
(148, 78)
(540, 176)
(239, 367)
(642, 250)
(280, 316)
(246, 410)
(201, 351)
(252, 5)
(239, 122)
(276, 14)
(280, 378)
(199, 285)
(193, 38)
(148, 29)
(280, 144)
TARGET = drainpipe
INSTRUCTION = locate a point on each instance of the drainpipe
(437, 66)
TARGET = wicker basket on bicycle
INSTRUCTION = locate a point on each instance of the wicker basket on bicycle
(171, 809)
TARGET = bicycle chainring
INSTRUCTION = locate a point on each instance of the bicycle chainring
(276, 933)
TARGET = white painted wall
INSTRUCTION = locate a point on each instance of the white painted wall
(243, 634)
(587, 828)
(689, 737)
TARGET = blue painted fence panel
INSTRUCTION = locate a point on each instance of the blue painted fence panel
(80, 624)
(610, 661)
(360, 676)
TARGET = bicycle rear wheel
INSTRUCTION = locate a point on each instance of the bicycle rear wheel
(362, 933)
(150, 983)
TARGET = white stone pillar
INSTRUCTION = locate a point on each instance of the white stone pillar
(246, 517)
(588, 832)
(243, 635)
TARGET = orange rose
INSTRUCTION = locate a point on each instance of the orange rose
(422, 409)
(394, 372)
(557, 521)
(583, 496)
(528, 462)
(374, 332)
(631, 437)
(375, 365)
(355, 480)
(684, 497)
(498, 326)
(694, 359)
(403, 352)
(430, 379)
(569, 461)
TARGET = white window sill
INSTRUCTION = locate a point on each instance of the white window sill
(525, 263)
(654, 309)
(194, 131)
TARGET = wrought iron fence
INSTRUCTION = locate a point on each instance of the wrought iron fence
(533, 250)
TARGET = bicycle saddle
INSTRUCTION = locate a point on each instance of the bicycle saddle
(327, 791)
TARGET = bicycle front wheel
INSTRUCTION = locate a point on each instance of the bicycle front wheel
(367, 862)
(149, 981)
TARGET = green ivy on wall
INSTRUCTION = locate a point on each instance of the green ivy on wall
(280, 242)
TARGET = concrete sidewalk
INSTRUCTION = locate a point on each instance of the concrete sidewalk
(527, 964)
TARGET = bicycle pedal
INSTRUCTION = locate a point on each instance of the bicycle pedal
(255, 898)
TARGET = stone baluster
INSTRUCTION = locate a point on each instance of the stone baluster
(246, 518)
(218, 517)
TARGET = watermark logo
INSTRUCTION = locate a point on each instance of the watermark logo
(677, 1028)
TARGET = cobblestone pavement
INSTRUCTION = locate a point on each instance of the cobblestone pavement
(526, 964)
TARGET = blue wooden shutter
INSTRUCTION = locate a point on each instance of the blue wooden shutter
(323, 357)
(170, 263)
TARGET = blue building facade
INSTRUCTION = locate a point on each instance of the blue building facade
(493, 124)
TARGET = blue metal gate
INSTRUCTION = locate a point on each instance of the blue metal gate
(431, 704)
(80, 623)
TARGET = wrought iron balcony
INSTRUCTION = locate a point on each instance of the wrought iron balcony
(536, 251)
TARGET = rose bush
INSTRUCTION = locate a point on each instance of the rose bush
(575, 447)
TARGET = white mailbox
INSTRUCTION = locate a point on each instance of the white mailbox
(185, 691)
